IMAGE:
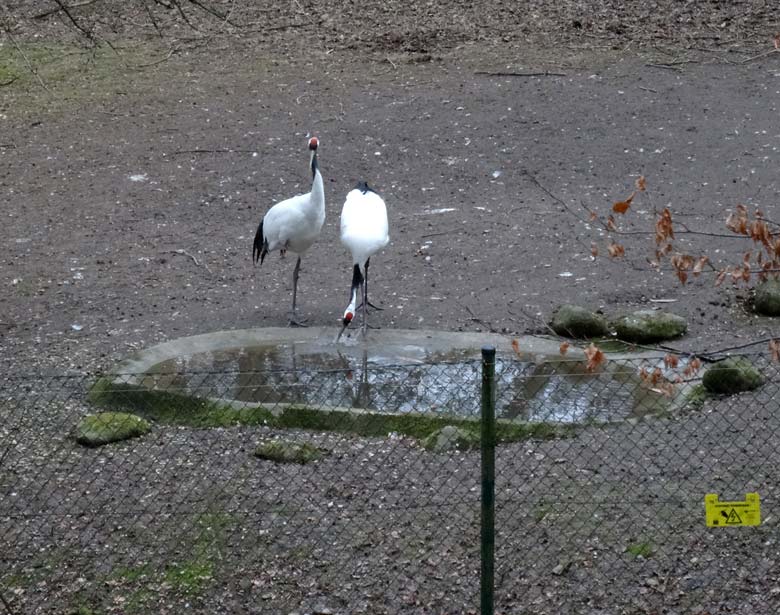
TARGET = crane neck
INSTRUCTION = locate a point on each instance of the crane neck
(317, 187)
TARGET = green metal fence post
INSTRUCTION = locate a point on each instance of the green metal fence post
(488, 446)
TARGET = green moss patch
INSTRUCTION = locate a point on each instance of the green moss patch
(173, 408)
(106, 427)
(288, 452)
(449, 438)
(649, 326)
(732, 375)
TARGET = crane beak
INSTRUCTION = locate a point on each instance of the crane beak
(343, 328)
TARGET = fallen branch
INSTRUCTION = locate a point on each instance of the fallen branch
(185, 253)
(9, 82)
(759, 56)
(213, 151)
(514, 74)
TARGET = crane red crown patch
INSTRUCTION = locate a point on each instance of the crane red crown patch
(313, 143)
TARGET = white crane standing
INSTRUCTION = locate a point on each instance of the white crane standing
(293, 224)
(363, 233)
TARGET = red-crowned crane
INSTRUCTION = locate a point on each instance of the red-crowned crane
(293, 224)
(363, 233)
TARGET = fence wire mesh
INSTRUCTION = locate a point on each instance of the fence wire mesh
(331, 490)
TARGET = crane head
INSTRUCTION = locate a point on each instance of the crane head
(314, 143)
(348, 316)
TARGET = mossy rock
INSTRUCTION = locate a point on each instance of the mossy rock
(649, 326)
(578, 322)
(732, 375)
(449, 438)
(767, 299)
(107, 427)
(288, 452)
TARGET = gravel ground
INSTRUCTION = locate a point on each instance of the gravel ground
(133, 181)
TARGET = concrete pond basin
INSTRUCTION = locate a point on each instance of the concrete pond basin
(411, 381)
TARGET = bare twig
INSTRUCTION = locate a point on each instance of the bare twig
(183, 15)
(225, 18)
(759, 56)
(648, 89)
(478, 320)
(185, 253)
(65, 9)
(150, 14)
(763, 340)
(213, 151)
(9, 82)
(437, 234)
(59, 8)
(30, 67)
(171, 51)
(514, 74)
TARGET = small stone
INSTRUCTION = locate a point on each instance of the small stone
(767, 299)
(578, 322)
(732, 375)
(450, 437)
(288, 452)
(106, 427)
(649, 326)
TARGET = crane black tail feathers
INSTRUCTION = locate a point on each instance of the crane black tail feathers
(357, 277)
(364, 187)
(260, 246)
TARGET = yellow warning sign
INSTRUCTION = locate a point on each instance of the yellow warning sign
(732, 514)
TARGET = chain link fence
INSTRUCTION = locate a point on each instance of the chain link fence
(332, 490)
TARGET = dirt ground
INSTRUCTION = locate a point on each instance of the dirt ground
(131, 195)
(139, 149)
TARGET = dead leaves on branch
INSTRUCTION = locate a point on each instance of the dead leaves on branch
(595, 358)
(677, 371)
(774, 350)
(760, 263)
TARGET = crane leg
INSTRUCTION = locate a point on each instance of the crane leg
(294, 320)
(366, 302)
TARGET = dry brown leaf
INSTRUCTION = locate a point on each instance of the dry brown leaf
(621, 207)
(774, 349)
(611, 224)
(671, 361)
(698, 267)
(641, 184)
(663, 227)
(694, 365)
(516, 346)
(721, 276)
(595, 357)
(616, 250)
(564, 348)
(594, 250)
